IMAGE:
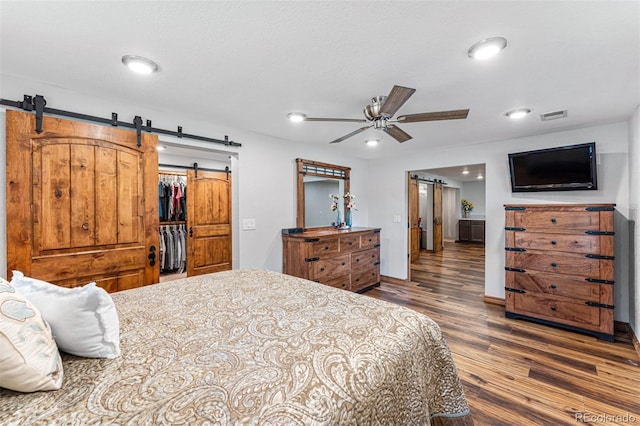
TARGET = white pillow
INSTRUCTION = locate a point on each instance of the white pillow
(29, 357)
(84, 320)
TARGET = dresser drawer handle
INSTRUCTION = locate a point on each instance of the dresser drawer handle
(343, 263)
(322, 269)
(553, 220)
(554, 242)
(326, 247)
(553, 286)
(350, 243)
(553, 308)
(357, 260)
(554, 264)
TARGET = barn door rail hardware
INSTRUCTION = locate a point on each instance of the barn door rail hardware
(421, 179)
(195, 167)
(38, 104)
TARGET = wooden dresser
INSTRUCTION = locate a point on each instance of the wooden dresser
(347, 259)
(560, 265)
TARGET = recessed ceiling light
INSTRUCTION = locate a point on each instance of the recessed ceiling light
(296, 117)
(372, 142)
(465, 172)
(518, 113)
(485, 49)
(139, 64)
(480, 177)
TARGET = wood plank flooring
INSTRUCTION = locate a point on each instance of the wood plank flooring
(516, 372)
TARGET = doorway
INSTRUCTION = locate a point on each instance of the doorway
(435, 209)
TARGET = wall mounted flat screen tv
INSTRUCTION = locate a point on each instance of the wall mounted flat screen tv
(565, 168)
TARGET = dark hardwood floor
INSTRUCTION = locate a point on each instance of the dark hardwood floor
(516, 372)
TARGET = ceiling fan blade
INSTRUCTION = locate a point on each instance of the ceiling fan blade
(343, 120)
(397, 133)
(355, 132)
(397, 97)
(434, 116)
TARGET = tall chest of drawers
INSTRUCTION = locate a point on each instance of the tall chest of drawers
(559, 265)
(347, 259)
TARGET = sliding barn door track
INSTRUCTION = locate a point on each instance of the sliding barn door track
(38, 104)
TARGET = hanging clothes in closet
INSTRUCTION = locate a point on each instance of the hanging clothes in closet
(173, 249)
(172, 198)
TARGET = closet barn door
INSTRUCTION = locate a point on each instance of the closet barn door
(208, 222)
(77, 207)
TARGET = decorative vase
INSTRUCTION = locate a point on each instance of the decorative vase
(338, 218)
(348, 219)
(465, 214)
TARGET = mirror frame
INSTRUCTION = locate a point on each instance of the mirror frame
(316, 168)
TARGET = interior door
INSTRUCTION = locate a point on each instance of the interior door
(208, 222)
(437, 218)
(81, 203)
(414, 224)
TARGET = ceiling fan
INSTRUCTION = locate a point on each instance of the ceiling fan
(381, 110)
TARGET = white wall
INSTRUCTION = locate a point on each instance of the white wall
(388, 197)
(264, 182)
(474, 192)
(634, 213)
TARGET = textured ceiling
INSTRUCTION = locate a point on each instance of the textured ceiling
(247, 64)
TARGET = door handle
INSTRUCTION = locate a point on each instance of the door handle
(191, 231)
(152, 256)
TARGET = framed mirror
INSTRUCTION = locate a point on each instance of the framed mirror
(316, 182)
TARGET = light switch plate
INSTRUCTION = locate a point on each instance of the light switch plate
(248, 224)
(396, 218)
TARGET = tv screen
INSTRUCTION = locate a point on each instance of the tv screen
(565, 168)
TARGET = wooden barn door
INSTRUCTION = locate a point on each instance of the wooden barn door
(437, 218)
(81, 203)
(208, 222)
(414, 223)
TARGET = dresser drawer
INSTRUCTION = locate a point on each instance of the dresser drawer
(580, 243)
(560, 285)
(328, 247)
(365, 259)
(369, 240)
(364, 279)
(560, 220)
(331, 267)
(555, 262)
(556, 309)
(343, 282)
(349, 243)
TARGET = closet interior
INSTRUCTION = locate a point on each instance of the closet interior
(172, 209)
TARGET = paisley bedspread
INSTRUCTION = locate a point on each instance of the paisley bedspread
(250, 347)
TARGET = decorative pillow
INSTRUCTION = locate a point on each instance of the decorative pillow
(29, 358)
(84, 320)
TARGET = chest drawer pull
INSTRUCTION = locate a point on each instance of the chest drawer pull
(311, 240)
(554, 242)
(515, 249)
(515, 290)
(513, 269)
(553, 220)
(311, 259)
(376, 245)
(554, 264)
(554, 286)
(599, 233)
(599, 256)
(344, 263)
(512, 228)
(599, 305)
(599, 281)
(553, 308)
(376, 263)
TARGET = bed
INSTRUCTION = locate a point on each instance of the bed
(251, 347)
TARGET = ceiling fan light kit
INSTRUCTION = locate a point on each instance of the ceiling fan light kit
(487, 48)
(296, 117)
(380, 111)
